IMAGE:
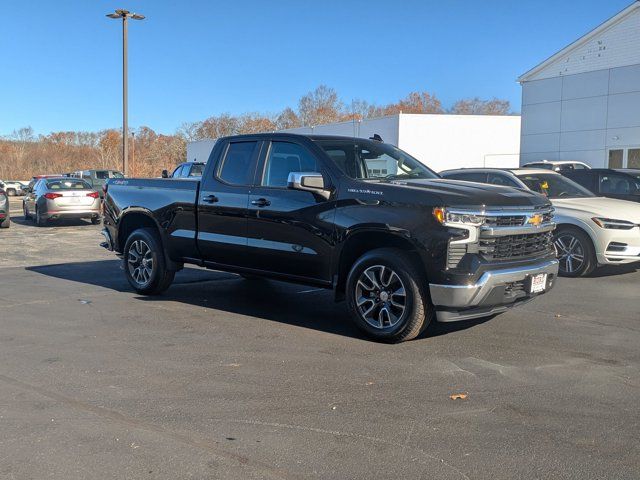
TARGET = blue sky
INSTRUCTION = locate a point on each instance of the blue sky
(193, 59)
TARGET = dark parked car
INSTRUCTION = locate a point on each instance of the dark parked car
(5, 216)
(403, 246)
(607, 183)
(186, 170)
(634, 172)
(97, 178)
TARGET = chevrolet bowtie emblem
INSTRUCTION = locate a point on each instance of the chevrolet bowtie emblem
(535, 220)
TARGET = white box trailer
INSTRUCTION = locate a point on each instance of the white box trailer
(199, 151)
(439, 141)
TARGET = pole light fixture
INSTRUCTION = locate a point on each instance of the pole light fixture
(125, 15)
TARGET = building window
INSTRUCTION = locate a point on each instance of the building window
(633, 158)
(615, 158)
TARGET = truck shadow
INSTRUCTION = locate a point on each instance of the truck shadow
(271, 300)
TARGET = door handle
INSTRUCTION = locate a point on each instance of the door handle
(210, 199)
(261, 202)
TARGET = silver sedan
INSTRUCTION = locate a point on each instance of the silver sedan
(61, 197)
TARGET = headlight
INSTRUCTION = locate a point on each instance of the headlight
(453, 218)
(611, 223)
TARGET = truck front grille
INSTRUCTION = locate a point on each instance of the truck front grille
(506, 221)
(455, 253)
(516, 247)
(514, 220)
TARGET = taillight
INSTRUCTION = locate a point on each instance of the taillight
(93, 194)
(52, 196)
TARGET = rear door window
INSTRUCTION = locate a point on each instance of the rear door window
(235, 168)
(618, 184)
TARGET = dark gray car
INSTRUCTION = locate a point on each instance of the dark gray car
(61, 197)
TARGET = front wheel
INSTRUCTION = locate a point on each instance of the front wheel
(144, 263)
(576, 253)
(386, 296)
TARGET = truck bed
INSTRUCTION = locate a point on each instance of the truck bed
(170, 203)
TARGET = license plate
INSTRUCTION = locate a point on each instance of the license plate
(538, 283)
(75, 199)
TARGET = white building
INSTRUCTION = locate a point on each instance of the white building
(439, 141)
(583, 103)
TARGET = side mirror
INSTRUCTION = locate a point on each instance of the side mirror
(165, 174)
(308, 182)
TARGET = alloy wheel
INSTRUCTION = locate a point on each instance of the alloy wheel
(140, 262)
(571, 252)
(380, 296)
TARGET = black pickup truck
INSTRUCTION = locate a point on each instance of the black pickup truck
(359, 216)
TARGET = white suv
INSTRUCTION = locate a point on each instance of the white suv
(12, 188)
(591, 230)
(558, 166)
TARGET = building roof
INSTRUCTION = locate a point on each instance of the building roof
(581, 42)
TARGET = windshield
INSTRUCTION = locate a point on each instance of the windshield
(554, 185)
(196, 171)
(369, 160)
(68, 184)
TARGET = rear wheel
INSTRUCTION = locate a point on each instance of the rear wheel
(6, 223)
(144, 263)
(386, 296)
(576, 253)
(11, 192)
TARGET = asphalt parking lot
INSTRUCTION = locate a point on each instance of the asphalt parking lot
(226, 378)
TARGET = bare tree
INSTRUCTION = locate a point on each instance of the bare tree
(319, 107)
(477, 106)
(287, 119)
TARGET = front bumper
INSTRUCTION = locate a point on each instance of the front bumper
(495, 292)
(618, 246)
(108, 243)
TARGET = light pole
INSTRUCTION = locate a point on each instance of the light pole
(125, 15)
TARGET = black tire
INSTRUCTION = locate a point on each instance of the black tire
(160, 277)
(6, 223)
(11, 192)
(95, 220)
(573, 244)
(40, 220)
(417, 311)
(25, 211)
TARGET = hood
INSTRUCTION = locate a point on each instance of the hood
(600, 207)
(459, 193)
